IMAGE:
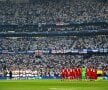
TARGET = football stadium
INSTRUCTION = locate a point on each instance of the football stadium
(53, 44)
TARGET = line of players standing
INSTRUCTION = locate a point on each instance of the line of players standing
(79, 73)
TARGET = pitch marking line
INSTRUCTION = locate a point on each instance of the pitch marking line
(53, 88)
(61, 89)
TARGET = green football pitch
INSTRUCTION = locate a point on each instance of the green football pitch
(52, 85)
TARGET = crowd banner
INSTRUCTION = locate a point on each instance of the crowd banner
(58, 51)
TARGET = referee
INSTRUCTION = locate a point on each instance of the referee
(10, 74)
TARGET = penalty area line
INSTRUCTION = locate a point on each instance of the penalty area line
(53, 88)
(61, 89)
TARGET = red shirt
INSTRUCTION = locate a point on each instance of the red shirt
(74, 73)
(89, 72)
(71, 72)
(94, 72)
(63, 72)
(79, 71)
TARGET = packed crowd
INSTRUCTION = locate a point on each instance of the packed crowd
(58, 43)
(51, 63)
(57, 12)
(52, 11)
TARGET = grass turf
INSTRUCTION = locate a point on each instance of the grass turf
(52, 85)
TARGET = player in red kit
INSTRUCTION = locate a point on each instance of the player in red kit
(63, 74)
(88, 73)
(71, 73)
(79, 72)
(94, 73)
(74, 73)
(66, 73)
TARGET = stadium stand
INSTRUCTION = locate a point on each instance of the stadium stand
(54, 63)
(46, 16)
(53, 12)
